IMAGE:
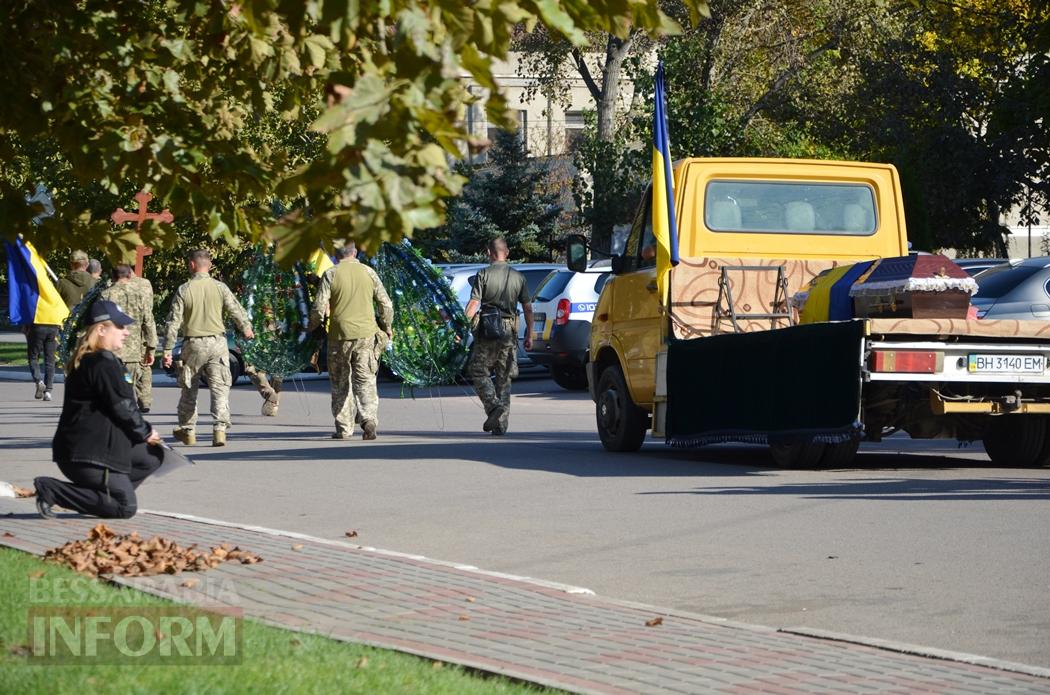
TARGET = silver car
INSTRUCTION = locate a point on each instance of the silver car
(1019, 289)
(460, 278)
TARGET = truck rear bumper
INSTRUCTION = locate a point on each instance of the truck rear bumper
(1008, 362)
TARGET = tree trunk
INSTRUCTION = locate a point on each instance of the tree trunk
(616, 51)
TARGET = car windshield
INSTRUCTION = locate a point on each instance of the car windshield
(996, 282)
(553, 285)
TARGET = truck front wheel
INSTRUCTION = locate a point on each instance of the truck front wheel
(1016, 441)
(621, 423)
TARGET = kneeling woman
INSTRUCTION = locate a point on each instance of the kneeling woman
(102, 444)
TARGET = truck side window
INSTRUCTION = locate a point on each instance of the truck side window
(639, 251)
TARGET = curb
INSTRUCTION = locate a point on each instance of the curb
(557, 586)
(918, 650)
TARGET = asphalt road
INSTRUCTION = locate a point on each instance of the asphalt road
(920, 543)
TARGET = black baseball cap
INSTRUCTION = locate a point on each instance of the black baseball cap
(105, 310)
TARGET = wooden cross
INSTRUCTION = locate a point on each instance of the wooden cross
(120, 216)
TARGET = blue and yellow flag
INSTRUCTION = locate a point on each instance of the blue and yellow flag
(665, 228)
(32, 297)
(319, 262)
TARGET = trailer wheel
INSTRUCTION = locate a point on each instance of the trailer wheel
(1016, 441)
(794, 453)
(839, 455)
(1043, 460)
(621, 423)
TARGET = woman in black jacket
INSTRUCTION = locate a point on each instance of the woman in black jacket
(102, 443)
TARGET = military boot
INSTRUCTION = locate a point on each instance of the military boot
(185, 435)
(218, 438)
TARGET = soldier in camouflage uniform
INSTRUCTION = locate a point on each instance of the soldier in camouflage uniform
(493, 363)
(197, 309)
(135, 300)
(350, 293)
(144, 382)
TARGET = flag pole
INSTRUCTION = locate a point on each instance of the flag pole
(50, 272)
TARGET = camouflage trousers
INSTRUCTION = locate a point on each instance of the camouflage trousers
(269, 386)
(141, 379)
(352, 369)
(207, 355)
(493, 363)
(144, 386)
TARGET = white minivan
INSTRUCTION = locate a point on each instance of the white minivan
(563, 308)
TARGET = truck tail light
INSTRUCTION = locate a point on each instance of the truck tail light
(906, 361)
(562, 317)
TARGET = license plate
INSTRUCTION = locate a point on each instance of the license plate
(979, 363)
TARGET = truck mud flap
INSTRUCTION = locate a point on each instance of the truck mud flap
(802, 382)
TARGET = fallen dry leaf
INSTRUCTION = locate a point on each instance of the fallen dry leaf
(8, 534)
(654, 622)
(19, 650)
(470, 599)
(362, 662)
(464, 617)
(104, 552)
(351, 534)
(189, 583)
(436, 665)
(36, 575)
(23, 491)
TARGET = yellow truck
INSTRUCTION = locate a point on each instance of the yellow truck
(723, 358)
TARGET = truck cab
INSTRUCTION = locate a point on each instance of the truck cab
(760, 229)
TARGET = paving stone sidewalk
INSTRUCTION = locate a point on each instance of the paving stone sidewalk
(535, 631)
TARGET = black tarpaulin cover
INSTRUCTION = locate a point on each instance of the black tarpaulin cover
(797, 382)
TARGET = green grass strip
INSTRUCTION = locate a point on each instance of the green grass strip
(13, 354)
(274, 660)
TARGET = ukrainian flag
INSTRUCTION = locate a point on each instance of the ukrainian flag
(665, 228)
(319, 262)
(32, 298)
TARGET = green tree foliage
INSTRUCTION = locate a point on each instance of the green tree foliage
(508, 196)
(743, 82)
(163, 94)
(956, 96)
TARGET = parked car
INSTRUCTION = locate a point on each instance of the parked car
(972, 266)
(1019, 289)
(561, 326)
(460, 278)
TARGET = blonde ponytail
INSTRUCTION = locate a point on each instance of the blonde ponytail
(86, 344)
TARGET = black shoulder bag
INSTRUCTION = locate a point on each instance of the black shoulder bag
(490, 321)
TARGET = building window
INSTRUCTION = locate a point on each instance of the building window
(574, 124)
(523, 128)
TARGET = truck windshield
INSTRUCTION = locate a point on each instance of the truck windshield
(784, 207)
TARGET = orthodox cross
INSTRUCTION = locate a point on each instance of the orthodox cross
(120, 216)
